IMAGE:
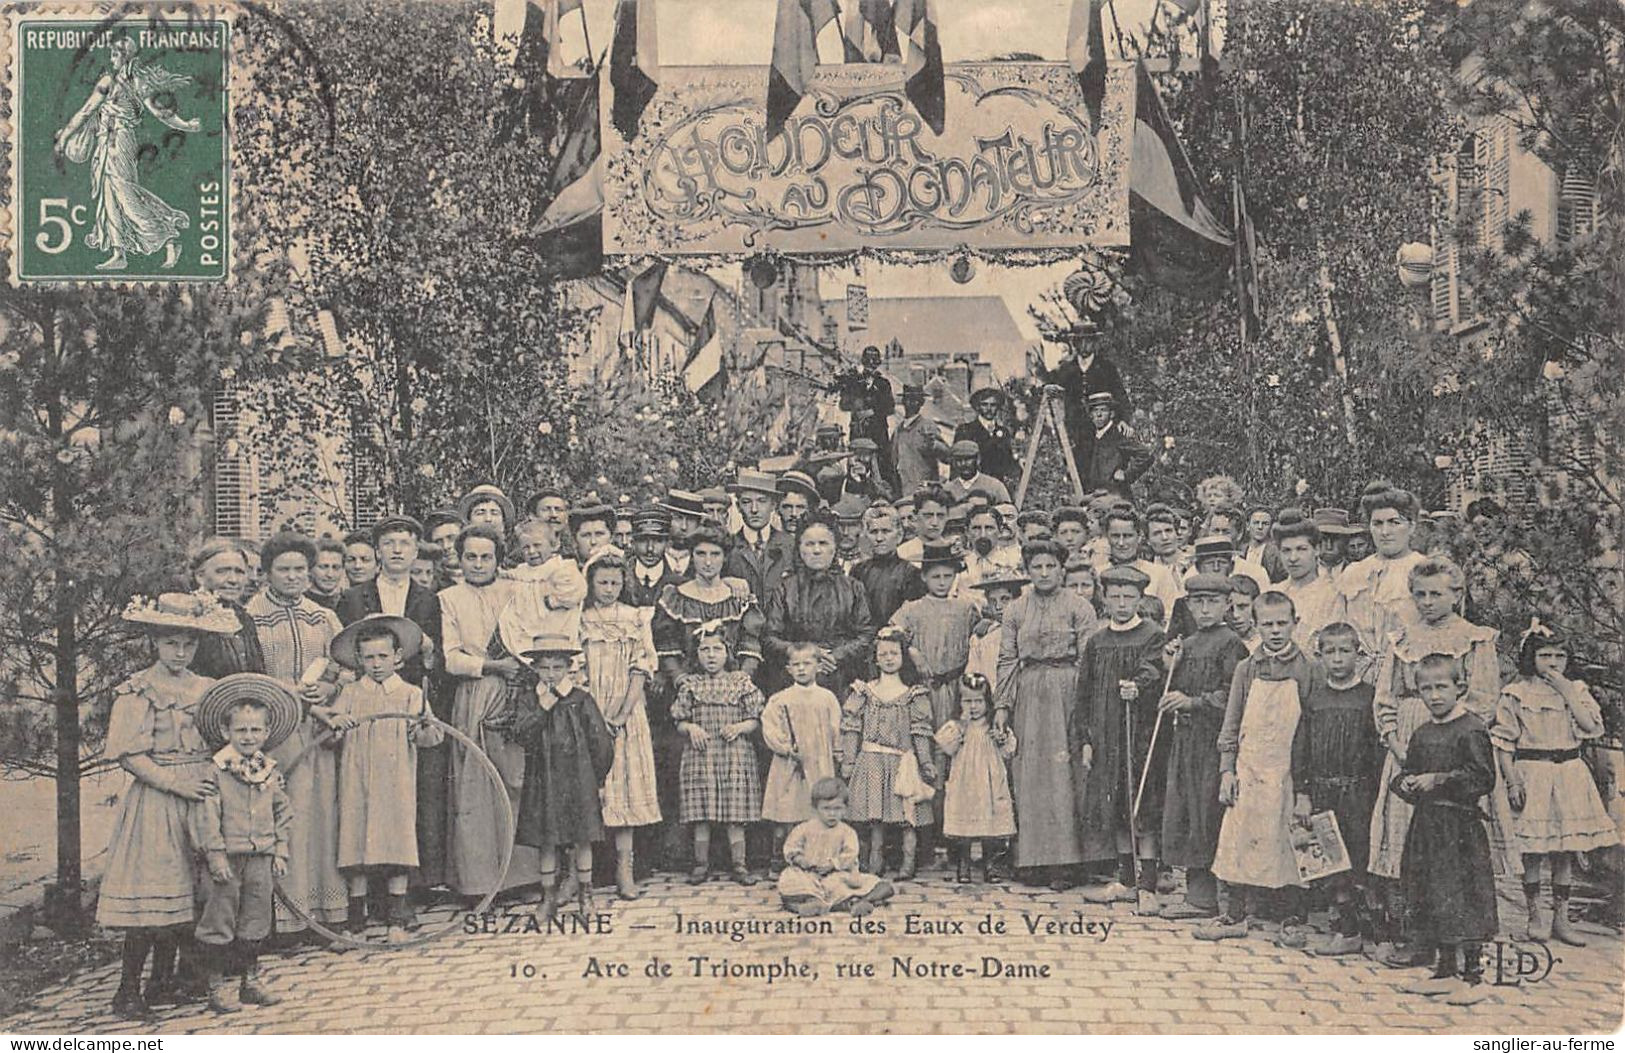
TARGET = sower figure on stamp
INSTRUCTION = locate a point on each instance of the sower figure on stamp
(129, 217)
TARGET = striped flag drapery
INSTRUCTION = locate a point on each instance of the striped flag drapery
(869, 31)
(1086, 54)
(704, 360)
(916, 22)
(634, 64)
(1173, 236)
(577, 182)
(795, 56)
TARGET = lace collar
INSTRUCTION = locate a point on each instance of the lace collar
(254, 770)
(548, 697)
(1454, 636)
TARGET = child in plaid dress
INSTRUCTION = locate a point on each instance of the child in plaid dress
(717, 709)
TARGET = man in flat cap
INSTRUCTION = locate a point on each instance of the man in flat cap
(798, 498)
(966, 475)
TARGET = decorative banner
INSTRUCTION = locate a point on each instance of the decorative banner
(857, 306)
(1015, 167)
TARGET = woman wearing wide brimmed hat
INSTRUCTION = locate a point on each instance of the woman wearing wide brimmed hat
(149, 888)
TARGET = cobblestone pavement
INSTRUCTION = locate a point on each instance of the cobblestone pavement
(1137, 975)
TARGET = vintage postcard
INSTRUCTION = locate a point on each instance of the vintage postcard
(865, 517)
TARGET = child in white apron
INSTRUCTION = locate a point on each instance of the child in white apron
(1263, 752)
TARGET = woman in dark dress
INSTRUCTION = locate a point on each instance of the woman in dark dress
(220, 566)
(817, 603)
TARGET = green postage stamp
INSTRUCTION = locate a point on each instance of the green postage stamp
(121, 170)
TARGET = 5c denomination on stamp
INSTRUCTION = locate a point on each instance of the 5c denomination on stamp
(122, 164)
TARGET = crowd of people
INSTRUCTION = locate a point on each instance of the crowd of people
(1145, 701)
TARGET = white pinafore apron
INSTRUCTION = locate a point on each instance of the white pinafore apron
(1255, 843)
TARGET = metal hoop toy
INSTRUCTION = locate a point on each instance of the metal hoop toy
(333, 936)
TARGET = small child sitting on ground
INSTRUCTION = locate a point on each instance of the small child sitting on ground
(822, 854)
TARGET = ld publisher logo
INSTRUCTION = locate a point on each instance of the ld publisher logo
(1509, 964)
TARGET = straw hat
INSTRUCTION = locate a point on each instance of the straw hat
(486, 492)
(214, 710)
(999, 575)
(198, 612)
(548, 643)
(759, 482)
(407, 634)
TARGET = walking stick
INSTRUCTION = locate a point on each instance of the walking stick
(1155, 728)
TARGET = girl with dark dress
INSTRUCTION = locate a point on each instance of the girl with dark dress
(568, 753)
(816, 603)
(1446, 872)
(1345, 762)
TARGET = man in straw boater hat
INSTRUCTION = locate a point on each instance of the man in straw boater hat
(759, 554)
(243, 830)
(486, 503)
(1115, 459)
(992, 436)
(1335, 530)
(150, 881)
(568, 754)
(378, 830)
(687, 511)
(826, 448)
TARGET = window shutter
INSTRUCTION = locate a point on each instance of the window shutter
(228, 463)
(1443, 279)
(1495, 160)
(1576, 206)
